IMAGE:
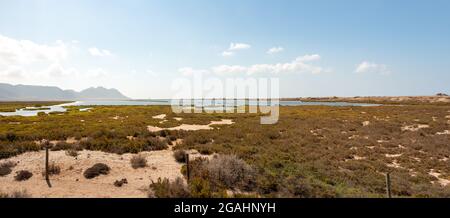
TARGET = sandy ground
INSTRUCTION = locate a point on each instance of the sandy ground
(437, 175)
(161, 116)
(192, 127)
(71, 182)
(415, 128)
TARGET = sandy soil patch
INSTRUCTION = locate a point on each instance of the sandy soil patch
(393, 155)
(445, 132)
(161, 116)
(437, 175)
(192, 127)
(85, 109)
(415, 127)
(355, 157)
(394, 164)
(416, 159)
(444, 159)
(71, 182)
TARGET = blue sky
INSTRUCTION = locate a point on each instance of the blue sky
(339, 48)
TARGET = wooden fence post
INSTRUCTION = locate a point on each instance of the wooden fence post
(388, 185)
(46, 165)
(188, 174)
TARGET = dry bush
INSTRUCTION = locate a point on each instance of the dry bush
(154, 144)
(230, 171)
(138, 161)
(16, 194)
(62, 145)
(5, 168)
(96, 170)
(180, 156)
(53, 169)
(23, 175)
(72, 153)
(120, 183)
(5, 171)
(163, 188)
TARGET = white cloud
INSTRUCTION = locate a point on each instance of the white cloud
(97, 72)
(24, 61)
(235, 47)
(99, 52)
(56, 70)
(238, 46)
(227, 53)
(17, 52)
(12, 72)
(370, 67)
(299, 65)
(275, 50)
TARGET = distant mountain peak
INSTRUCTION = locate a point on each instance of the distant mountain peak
(37, 93)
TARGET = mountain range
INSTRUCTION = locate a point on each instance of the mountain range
(10, 92)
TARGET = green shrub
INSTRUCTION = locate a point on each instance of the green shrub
(163, 188)
(163, 133)
(61, 146)
(154, 144)
(200, 188)
(10, 136)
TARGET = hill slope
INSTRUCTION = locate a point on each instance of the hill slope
(45, 93)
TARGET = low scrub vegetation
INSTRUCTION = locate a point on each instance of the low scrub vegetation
(23, 175)
(163, 188)
(313, 151)
(120, 183)
(6, 168)
(53, 169)
(138, 161)
(16, 194)
(96, 170)
(180, 156)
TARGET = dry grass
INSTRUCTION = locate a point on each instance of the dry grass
(138, 161)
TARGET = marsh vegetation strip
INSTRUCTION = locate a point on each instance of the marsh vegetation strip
(33, 109)
(313, 151)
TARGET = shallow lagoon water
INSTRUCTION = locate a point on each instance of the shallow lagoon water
(205, 104)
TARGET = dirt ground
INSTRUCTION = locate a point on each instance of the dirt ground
(71, 182)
